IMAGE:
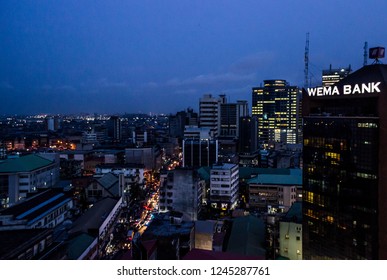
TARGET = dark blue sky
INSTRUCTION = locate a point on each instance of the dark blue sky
(162, 56)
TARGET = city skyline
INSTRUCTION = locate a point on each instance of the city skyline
(161, 57)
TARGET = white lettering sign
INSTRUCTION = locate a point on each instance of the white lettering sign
(346, 89)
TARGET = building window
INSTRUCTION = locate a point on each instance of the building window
(298, 238)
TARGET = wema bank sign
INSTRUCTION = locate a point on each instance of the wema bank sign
(345, 89)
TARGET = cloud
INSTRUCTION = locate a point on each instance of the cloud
(105, 83)
(211, 79)
(50, 89)
(253, 62)
(242, 71)
(150, 85)
(186, 91)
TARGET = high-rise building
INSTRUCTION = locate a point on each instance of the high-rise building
(230, 114)
(194, 132)
(199, 152)
(114, 129)
(209, 113)
(332, 76)
(178, 122)
(276, 106)
(345, 167)
(52, 123)
(248, 135)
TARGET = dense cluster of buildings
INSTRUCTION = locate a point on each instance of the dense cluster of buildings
(301, 177)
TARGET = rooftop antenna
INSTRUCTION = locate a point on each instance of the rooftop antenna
(306, 59)
(365, 53)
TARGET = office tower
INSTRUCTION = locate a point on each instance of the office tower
(345, 168)
(182, 190)
(248, 135)
(52, 123)
(194, 132)
(199, 152)
(230, 114)
(178, 122)
(224, 186)
(332, 76)
(209, 113)
(114, 128)
(276, 106)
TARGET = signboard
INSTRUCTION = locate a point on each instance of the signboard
(364, 88)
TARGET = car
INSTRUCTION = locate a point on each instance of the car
(130, 235)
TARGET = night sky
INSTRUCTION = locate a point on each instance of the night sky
(162, 56)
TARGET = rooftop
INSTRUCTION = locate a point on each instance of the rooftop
(26, 163)
(249, 172)
(78, 245)
(109, 182)
(162, 226)
(247, 237)
(37, 206)
(295, 213)
(224, 166)
(94, 217)
(198, 254)
(76, 152)
(293, 178)
(120, 165)
(205, 226)
(14, 242)
(204, 173)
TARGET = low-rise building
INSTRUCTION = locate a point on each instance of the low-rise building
(273, 191)
(98, 222)
(46, 209)
(175, 237)
(207, 234)
(25, 244)
(150, 156)
(247, 237)
(20, 176)
(105, 186)
(127, 169)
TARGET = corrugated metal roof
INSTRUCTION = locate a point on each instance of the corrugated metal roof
(247, 236)
(295, 213)
(37, 206)
(248, 172)
(204, 173)
(108, 180)
(78, 245)
(293, 178)
(24, 164)
(95, 216)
